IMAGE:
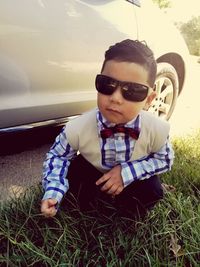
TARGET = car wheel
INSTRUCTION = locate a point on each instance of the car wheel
(166, 86)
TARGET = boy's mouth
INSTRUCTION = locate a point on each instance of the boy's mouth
(113, 111)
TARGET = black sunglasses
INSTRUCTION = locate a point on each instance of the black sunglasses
(130, 91)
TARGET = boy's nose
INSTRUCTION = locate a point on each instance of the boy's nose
(117, 96)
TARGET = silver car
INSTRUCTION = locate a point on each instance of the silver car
(51, 51)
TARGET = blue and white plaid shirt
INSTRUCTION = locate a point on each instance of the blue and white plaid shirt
(114, 150)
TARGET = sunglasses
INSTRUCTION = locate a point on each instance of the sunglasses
(130, 91)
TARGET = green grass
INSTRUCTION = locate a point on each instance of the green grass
(168, 236)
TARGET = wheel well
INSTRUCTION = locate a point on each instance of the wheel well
(177, 62)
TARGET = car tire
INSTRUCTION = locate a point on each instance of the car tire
(166, 86)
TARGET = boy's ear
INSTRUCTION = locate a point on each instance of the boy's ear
(149, 99)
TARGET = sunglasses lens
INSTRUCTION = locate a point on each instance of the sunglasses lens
(135, 92)
(131, 91)
(105, 85)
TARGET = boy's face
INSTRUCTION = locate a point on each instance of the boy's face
(115, 108)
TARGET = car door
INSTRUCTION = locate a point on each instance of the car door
(50, 52)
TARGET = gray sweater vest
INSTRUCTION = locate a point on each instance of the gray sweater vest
(82, 135)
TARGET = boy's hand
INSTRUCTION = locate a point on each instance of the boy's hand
(48, 207)
(113, 183)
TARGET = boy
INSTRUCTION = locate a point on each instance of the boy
(122, 147)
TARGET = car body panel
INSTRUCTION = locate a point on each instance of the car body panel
(50, 52)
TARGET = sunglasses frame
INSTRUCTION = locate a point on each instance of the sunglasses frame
(135, 92)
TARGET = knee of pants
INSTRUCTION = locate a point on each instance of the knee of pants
(145, 191)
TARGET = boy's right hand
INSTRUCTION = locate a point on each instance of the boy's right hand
(48, 207)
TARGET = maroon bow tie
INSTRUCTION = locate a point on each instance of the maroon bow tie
(108, 132)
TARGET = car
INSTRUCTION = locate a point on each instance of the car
(51, 51)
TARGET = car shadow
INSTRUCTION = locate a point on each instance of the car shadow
(17, 142)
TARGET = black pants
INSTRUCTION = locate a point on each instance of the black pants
(135, 199)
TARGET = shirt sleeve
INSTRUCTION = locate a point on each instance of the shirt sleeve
(55, 168)
(153, 164)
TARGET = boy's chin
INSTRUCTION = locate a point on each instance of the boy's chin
(115, 117)
(115, 120)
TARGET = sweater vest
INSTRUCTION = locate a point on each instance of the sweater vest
(82, 135)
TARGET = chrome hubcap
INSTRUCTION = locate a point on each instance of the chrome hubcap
(163, 101)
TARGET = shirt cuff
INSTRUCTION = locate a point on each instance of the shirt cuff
(128, 173)
(55, 192)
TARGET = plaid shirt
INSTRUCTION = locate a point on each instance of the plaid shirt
(114, 150)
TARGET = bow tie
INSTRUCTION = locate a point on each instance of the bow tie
(108, 132)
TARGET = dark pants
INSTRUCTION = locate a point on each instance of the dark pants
(134, 200)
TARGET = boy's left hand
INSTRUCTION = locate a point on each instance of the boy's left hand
(113, 183)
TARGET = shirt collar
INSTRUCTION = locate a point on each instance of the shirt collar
(101, 121)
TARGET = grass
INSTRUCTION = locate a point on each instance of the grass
(168, 236)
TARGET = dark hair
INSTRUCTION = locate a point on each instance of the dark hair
(136, 52)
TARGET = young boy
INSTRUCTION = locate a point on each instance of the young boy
(122, 148)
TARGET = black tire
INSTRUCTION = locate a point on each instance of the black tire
(167, 91)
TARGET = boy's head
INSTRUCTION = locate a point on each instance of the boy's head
(126, 81)
(135, 52)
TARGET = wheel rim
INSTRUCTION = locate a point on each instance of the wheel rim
(162, 104)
